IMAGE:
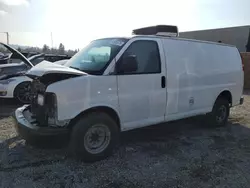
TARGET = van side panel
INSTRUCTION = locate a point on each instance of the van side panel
(197, 72)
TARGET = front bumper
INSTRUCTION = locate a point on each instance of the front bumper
(31, 132)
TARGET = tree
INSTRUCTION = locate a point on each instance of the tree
(45, 48)
(53, 50)
(61, 49)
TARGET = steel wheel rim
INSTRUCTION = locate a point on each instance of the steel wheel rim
(23, 93)
(97, 138)
(221, 114)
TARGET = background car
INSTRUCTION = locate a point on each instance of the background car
(4, 58)
(13, 68)
(13, 82)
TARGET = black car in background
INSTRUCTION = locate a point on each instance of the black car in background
(19, 86)
(50, 57)
(4, 58)
(13, 69)
(14, 58)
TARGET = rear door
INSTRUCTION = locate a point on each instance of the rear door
(142, 94)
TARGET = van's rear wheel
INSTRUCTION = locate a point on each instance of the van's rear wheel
(220, 113)
(94, 137)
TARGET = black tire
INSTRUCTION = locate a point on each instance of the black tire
(22, 92)
(79, 135)
(220, 113)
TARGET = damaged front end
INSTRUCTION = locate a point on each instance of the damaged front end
(32, 131)
(44, 104)
(40, 117)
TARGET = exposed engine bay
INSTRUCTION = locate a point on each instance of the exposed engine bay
(44, 104)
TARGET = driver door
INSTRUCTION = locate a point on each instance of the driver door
(142, 93)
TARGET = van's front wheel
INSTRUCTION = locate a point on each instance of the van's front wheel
(219, 116)
(94, 136)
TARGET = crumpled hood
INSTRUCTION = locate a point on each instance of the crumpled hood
(46, 67)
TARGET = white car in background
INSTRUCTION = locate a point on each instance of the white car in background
(13, 82)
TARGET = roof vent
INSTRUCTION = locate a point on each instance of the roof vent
(161, 30)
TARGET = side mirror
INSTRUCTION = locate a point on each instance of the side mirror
(127, 64)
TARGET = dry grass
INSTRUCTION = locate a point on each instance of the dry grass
(181, 154)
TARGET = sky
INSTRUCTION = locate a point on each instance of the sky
(76, 22)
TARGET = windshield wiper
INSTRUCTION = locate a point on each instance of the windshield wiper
(75, 68)
(87, 71)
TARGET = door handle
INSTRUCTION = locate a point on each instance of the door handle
(163, 81)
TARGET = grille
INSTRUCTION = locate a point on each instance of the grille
(39, 112)
(37, 87)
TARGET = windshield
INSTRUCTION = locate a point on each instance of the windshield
(94, 58)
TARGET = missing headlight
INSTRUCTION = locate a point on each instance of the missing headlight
(51, 104)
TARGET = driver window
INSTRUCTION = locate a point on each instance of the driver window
(147, 55)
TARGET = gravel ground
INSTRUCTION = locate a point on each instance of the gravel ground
(180, 154)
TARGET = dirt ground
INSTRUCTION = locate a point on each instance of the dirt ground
(180, 154)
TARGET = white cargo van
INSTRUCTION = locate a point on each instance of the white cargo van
(119, 84)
